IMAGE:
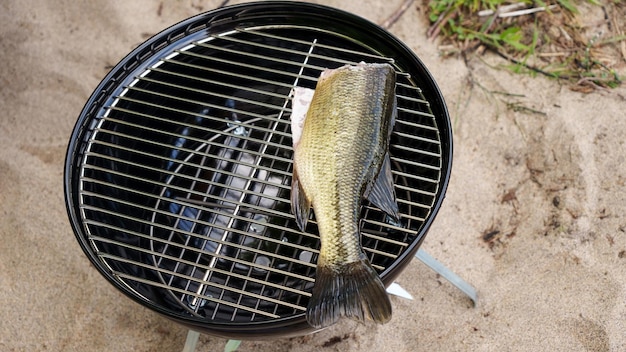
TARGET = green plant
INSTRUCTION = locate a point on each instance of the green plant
(545, 33)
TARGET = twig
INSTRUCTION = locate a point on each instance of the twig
(517, 107)
(504, 11)
(224, 3)
(530, 67)
(591, 81)
(434, 30)
(557, 54)
(526, 11)
(397, 14)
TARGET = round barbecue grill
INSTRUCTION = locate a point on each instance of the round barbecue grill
(178, 171)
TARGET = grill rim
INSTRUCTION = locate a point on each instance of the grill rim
(271, 11)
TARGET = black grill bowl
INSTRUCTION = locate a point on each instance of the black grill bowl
(178, 170)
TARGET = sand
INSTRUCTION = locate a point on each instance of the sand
(533, 218)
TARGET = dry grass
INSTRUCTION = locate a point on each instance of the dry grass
(583, 43)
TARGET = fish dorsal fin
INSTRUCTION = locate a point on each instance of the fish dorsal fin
(381, 192)
(300, 204)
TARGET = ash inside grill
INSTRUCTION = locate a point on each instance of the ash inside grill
(180, 168)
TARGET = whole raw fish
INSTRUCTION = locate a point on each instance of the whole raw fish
(341, 155)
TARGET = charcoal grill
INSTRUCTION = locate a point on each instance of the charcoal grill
(178, 171)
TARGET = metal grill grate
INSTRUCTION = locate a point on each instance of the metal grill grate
(184, 171)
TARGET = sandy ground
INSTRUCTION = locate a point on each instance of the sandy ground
(533, 217)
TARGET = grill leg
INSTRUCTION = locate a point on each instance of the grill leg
(447, 274)
(440, 269)
(232, 345)
(192, 341)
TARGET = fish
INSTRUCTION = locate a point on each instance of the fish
(341, 156)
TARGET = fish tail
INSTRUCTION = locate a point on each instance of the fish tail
(352, 290)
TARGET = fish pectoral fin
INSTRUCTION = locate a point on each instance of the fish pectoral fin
(381, 192)
(300, 204)
(353, 290)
